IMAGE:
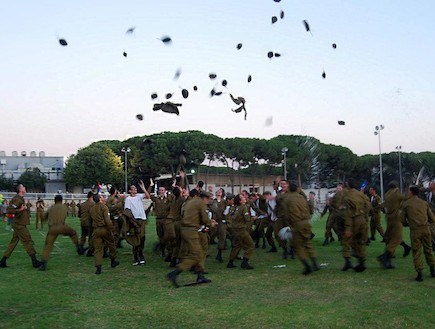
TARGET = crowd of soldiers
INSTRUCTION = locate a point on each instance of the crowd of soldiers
(188, 221)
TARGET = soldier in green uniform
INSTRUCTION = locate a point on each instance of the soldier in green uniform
(56, 217)
(375, 213)
(297, 214)
(102, 228)
(217, 208)
(40, 207)
(431, 201)
(194, 217)
(394, 234)
(417, 214)
(172, 226)
(73, 207)
(17, 207)
(85, 223)
(356, 207)
(240, 218)
(258, 206)
(161, 211)
(116, 207)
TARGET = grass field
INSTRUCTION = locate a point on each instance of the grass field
(70, 295)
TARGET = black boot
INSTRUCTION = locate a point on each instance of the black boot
(142, 260)
(373, 238)
(90, 253)
(113, 262)
(273, 249)
(347, 264)
(307, 269)
(173, 262)
(312, 235)
(3, 262)
(80, 250)
(219, 256)
(361, 265)
(419, 277)
(43, 266)
(386, 261)
(231, 264)
(245, 264)
(168, 259)
(135, 258)
(432, 271)
(292, 253)
(406, 249)
(98, 271)
(285, 253)
(326, 242)
(264, 244)
(35, 263)
(172, 276)
(201, 278)
(381, 258)
(105, 253)
(256, 244)
(316, 266)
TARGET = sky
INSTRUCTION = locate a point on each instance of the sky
(60, 99)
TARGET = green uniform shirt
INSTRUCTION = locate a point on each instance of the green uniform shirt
(85, 207)
(56, 215)
(241, 217)
(175, 207)
(21, 217)
(356, 204)
(295, 208)
(195, 214)
(160, 206)
(417, 213)
(100, 216)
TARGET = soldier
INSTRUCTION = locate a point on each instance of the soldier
(258, 206)
(115, 205)
(375, 221)
(280, 223)
(417, 214)
(55, 217)
(194, 218)
(161, 211)
(240, 218)
(217, 208)
(271, 204)
(102, 229)
(29, 206)
(357, 207)
(73, 207)
(297, 214)
(17, 207)
(40, 207)
(312, 202)
(394, 233)
(431, 201)
(134, 203)
(85, 223)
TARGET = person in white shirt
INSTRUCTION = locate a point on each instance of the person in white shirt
(134, 203)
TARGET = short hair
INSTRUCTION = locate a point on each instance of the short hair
(312, 192)
(374, 188)
(252, 195)
(58, 198)
(351, 182)
(96, 198)
(267, 193)
(392, 184)
(293, 187)
(200, 183)
(176, 191)
(193, 193)
(237, 200)
(112, 190)
(90, 194)
(414, 190)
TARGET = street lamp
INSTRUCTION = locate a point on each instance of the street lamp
(125, 151)
(378, 133)
(284, 151)
(399, 149)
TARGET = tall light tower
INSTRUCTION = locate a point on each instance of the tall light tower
(284, 151)
(126, 151)
(399, 149)
(381, 175)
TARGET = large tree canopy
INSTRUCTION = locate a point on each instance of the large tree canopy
(33, 179)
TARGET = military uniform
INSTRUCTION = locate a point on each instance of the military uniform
(40, 207)
(21, 232)
(29, 206)
(217, 208)
(102, 228)
(115, 205)
(172, 231)
(161, 211)
(194, 217)
(375, 220)
(297, 214)
(357, 207)
(86, 225)
(56, 216)
(431, 201)
(240, 218)
(417, 214)
(73, 208)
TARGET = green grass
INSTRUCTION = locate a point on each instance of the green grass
(69, 295)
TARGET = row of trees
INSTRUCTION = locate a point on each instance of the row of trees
(308, 160)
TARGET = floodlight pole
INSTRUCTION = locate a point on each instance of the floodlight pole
(125, 151)
(381, 175)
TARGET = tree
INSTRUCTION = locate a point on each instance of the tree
(33, 179)
(94, 164)
(6, 184)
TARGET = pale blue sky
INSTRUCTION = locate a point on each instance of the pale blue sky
(59, 99)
